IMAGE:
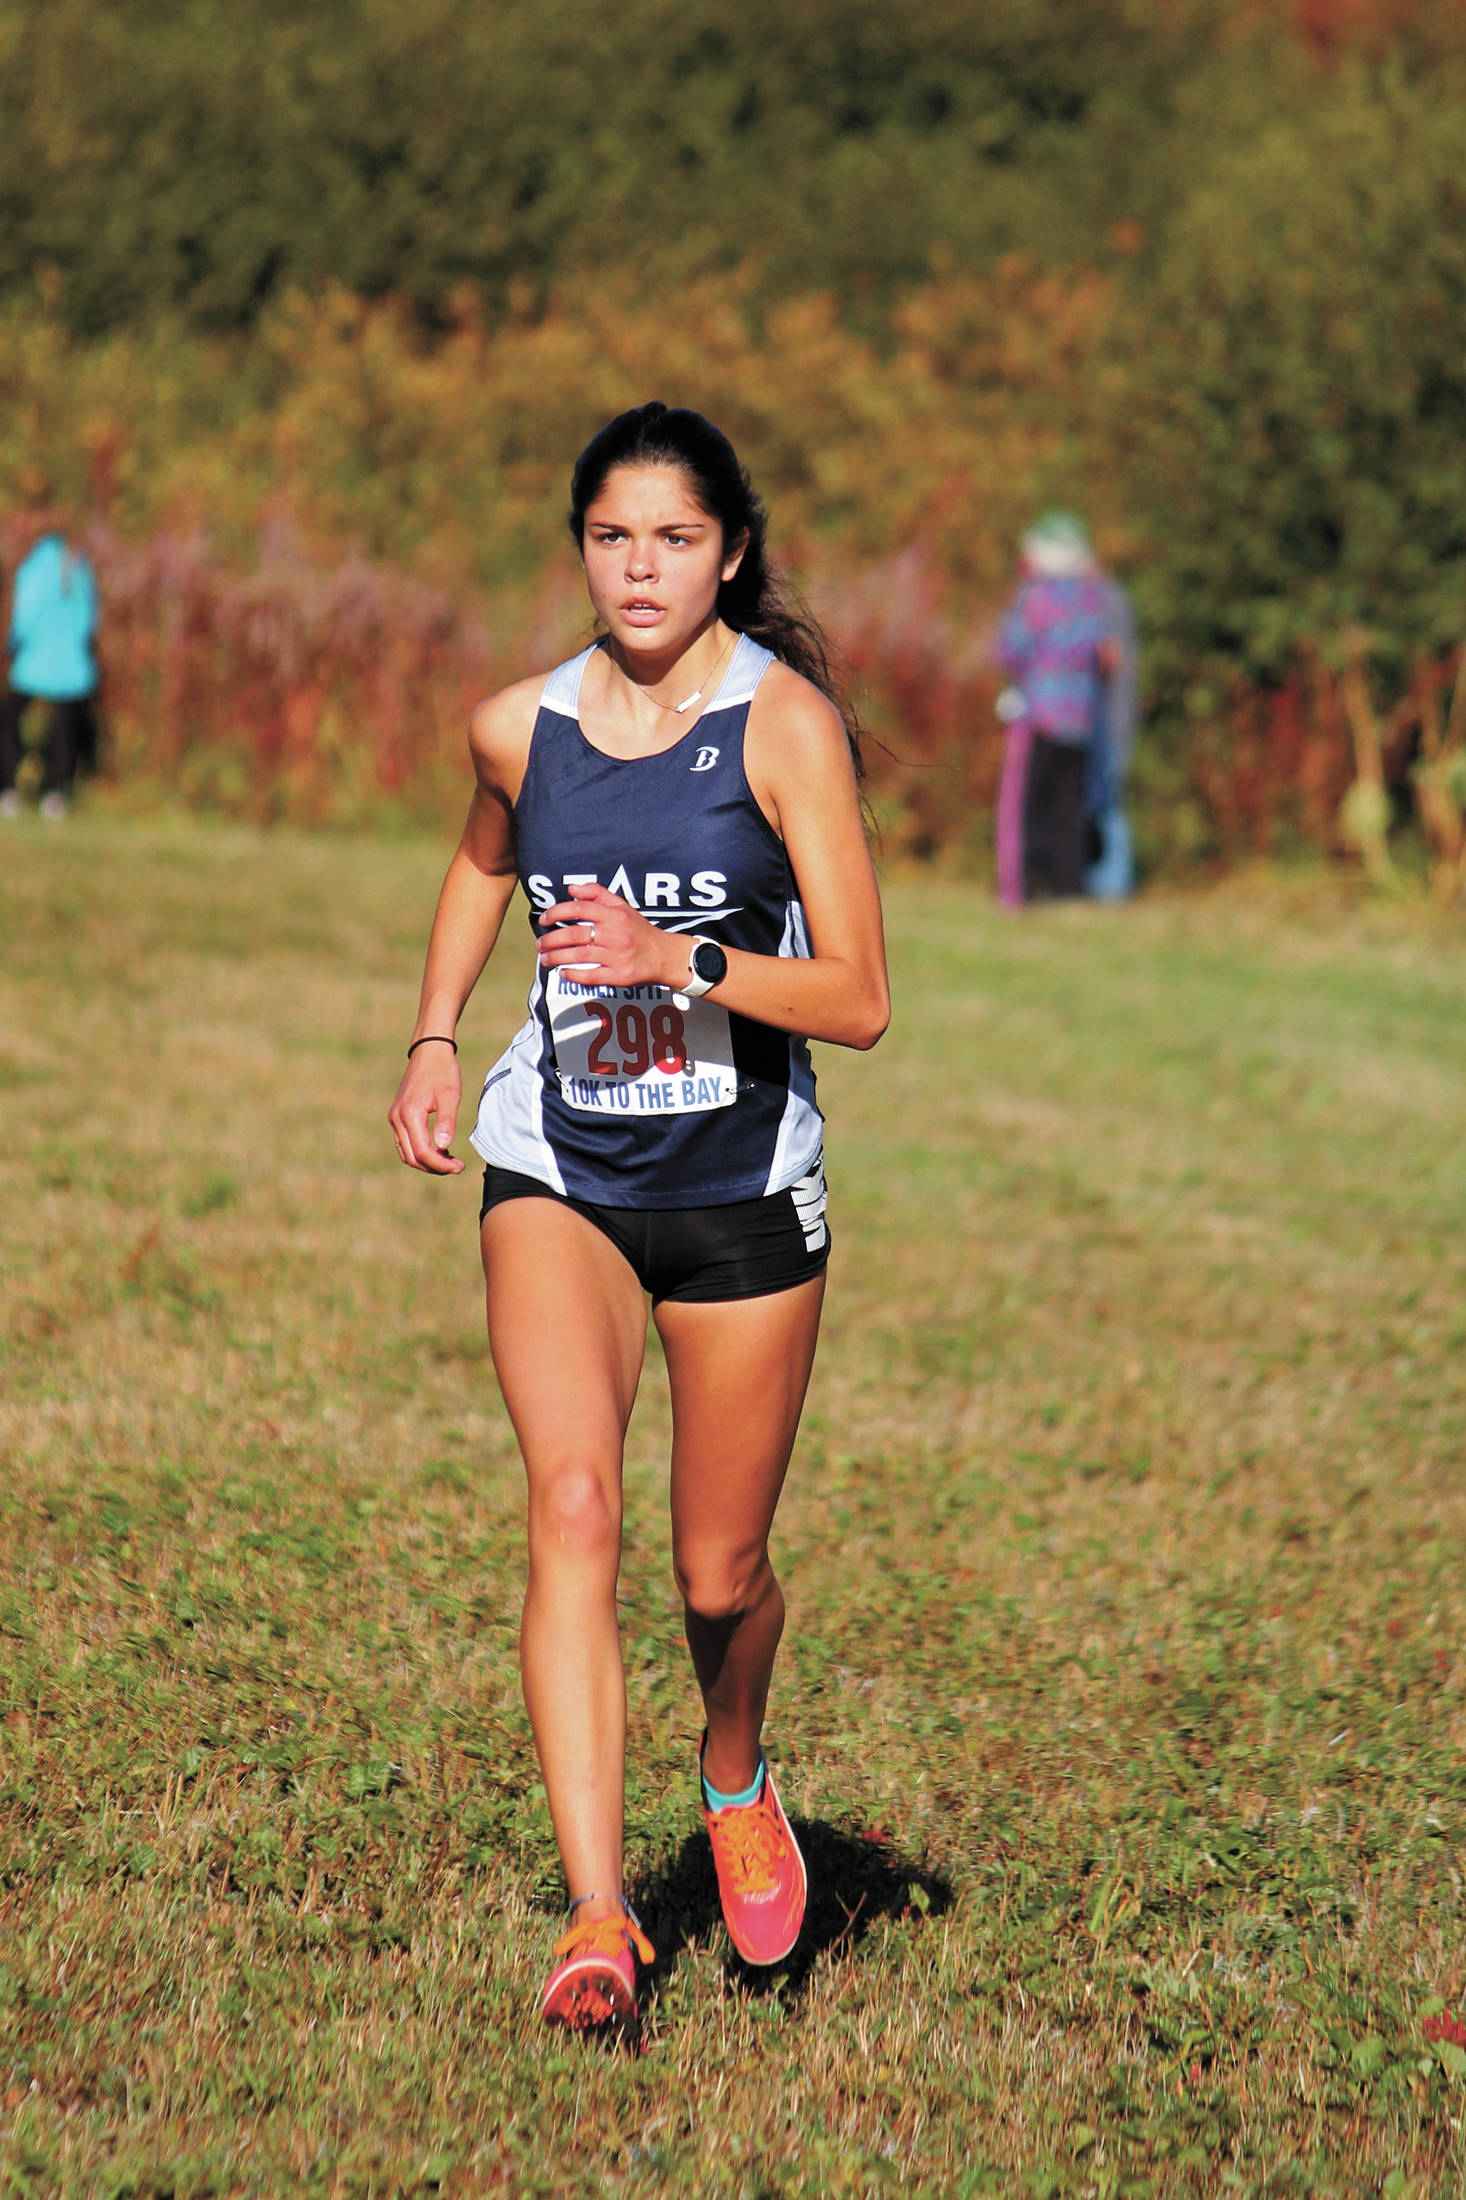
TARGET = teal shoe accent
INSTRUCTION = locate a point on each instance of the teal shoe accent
(718, 1801)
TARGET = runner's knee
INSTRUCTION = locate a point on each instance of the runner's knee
(721, 1584)
(574, 1513)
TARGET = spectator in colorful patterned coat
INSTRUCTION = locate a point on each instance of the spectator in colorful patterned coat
(1057, 641)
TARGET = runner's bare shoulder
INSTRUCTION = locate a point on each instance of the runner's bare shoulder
(795, 746)
(499, 733)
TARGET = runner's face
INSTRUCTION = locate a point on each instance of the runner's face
(653, 560)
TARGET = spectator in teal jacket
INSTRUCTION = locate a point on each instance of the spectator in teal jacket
(52, 652)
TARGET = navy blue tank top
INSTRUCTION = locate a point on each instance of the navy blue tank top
(636, 1096)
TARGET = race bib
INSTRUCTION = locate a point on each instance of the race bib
(632, 1050)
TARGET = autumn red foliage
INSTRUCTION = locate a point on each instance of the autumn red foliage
(319, 549)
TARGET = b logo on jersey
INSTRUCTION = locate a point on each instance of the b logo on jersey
(706, 758)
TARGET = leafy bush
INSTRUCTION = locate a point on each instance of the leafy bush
(1288, 429)
(204, 158)
(320, 539)
(1296, 450)
(284, 519)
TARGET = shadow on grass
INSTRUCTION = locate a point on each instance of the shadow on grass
(853, 1881)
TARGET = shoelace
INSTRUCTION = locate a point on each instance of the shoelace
(755, 1844)
(605, 1936)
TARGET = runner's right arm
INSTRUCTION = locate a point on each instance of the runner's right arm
(471, 907)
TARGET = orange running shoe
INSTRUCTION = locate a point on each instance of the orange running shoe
(594, 1981)
(761, 1875)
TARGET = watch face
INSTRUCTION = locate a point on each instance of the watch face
(709, 961)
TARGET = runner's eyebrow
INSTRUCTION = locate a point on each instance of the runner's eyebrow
(668, 527)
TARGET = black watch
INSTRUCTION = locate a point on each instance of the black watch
(709, 968)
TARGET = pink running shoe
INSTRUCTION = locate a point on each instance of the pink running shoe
(595, 1980)
(761, 1875)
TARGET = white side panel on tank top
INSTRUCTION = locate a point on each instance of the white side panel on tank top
(746, 667)
(801, 1128)
(509, 1130)
(562, 689)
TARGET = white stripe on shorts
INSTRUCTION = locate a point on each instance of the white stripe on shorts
(810, 1201)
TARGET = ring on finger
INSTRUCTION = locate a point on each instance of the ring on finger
(591, 933)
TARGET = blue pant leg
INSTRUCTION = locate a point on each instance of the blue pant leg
(1112, 878)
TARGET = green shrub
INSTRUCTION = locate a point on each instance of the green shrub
(1295, 450)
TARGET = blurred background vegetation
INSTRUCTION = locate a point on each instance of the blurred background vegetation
(305, 316)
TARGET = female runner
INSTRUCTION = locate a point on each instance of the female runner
(679, 803)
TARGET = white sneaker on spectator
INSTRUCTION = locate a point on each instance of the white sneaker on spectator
(10, 802)
(54, 805)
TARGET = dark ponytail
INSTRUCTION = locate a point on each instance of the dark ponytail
(757, 601)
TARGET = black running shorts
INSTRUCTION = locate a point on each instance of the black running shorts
(744, 1250)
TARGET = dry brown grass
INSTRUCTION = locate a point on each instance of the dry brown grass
(1121, 1700)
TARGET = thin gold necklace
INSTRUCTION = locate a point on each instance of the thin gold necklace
(676, 709)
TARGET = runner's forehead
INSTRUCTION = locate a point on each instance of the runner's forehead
(647, 497)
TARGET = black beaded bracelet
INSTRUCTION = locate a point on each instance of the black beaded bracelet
(431, 1039)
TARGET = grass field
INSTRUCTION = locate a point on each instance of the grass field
(1121, 1707)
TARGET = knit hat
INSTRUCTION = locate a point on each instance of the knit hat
(1058, 547)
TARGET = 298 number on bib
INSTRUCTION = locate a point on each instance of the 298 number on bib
(632, 1050)
(630, 1041)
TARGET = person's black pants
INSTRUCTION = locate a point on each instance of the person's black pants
(1055, 829)
(70, 738)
